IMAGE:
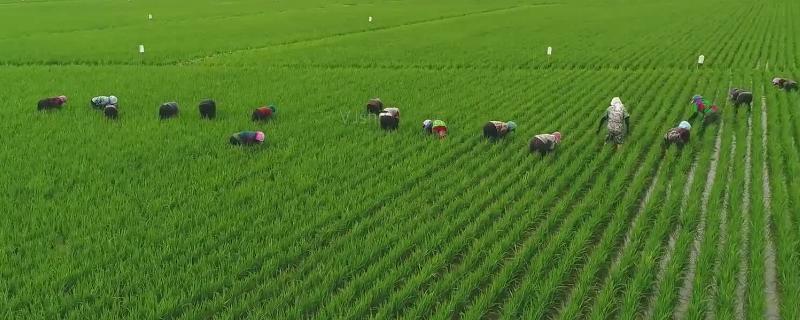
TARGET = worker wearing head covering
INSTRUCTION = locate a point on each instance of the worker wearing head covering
(208, 109)
(374, 106)
(710, 112)
(617, 119)
(389, 118)
(263, 113)
(679, 136)
(168, 110)
(544, 143)
(498, 129)
(101, 102)
(51, 103)
(784, 84)
(247, 138)
(437, 127)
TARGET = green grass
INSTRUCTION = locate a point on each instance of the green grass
(334, 218)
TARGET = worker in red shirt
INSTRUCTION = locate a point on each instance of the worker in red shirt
(51, 103)
(263, 113)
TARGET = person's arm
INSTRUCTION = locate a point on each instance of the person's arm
(627, 121)
(602, 121)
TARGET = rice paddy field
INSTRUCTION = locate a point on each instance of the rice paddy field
(334, 218)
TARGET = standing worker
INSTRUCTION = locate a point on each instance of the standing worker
(51, 103)
(544, 143)
(263, 113)
(679, 136)
(247, 138)
(437, 127)
(618, 122)
(389, 118)
(498, 129)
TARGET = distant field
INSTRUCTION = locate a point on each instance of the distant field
(334, 218)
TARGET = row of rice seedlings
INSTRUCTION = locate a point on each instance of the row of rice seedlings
(599, 260)
(333, 239)
(343, 242)
(783, 164)
(405, 249)
(757, 306)
(543, 172)
(614, 233)
(605, 294)
(686, 223)
(542, 297)
(503, 283)
(702, 273)
(491, 262)
(427, 272)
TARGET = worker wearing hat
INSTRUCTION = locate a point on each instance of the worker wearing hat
(498, 129)
(546, 142)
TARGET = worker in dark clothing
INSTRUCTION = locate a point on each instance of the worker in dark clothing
(51, 103)
(544, 143)
(389, 118)
(168, 110)
(208, 109)
(374, 106)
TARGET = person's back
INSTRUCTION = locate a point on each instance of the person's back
(51, 103)
(263, 113)
(374, 106)
(498, 129)
(544, 143)
(208, 109)
(679, 136)
(389, 118)
(247, 138)
(168, 110)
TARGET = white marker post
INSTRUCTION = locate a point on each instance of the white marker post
(370, 19)
(150, 16)
(701, 60)
(549, 53)
(141, 49)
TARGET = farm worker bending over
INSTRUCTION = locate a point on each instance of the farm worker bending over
(498, 129)
(709, 111)
(618, 122)
(679, 136)
(544, 143)
(110, 111)
(263, 113)
(374, 106)
(784, 84)
(208, 109)
(740, 97)
(435, 126)
(168, 110)
(389, 118)
(247, 138)
(101, 102)
(51, 103)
